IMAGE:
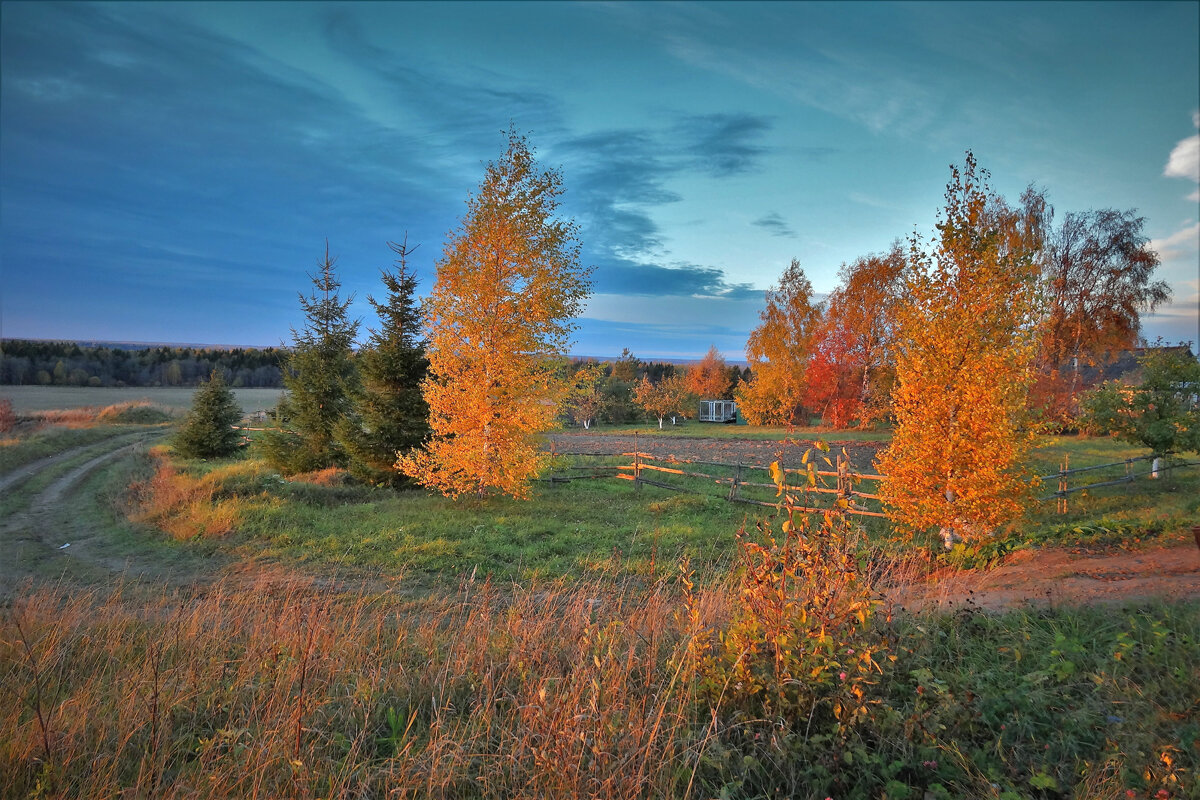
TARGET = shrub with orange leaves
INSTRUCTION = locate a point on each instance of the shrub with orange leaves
(966, 339)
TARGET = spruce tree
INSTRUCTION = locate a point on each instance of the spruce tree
(208, 431)
(319, 377)
(390, 415)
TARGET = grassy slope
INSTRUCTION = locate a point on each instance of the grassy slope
(605, 525)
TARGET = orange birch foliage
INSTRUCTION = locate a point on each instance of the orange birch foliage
(851, 372)
(710, 378)
(778, 351)
(967, 335)
(508, 284)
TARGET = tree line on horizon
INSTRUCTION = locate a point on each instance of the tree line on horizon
(25, 362)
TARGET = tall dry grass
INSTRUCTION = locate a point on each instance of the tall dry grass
(8, 419)
(283, 687)
(187, 506)
(136, 411)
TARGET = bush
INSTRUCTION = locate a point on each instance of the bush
(789, 680)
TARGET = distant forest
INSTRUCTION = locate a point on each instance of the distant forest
(37, 363)
(25, 362)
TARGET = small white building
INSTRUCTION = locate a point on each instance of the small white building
(718, 411)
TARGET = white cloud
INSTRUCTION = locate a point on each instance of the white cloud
(1183, 241)
(680, 311)
(1184, 161)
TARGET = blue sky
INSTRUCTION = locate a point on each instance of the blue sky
(170, 172)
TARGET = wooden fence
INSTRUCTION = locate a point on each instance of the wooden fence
(1062, 477)
(744, 475)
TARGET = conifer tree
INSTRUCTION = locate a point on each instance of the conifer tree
(319, 378)
(509, 282)
(390, 415)
(208, 431)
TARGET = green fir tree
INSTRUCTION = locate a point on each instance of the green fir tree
(390, 415)
(208, 431)
(320, 378)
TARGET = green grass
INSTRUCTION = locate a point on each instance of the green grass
(578, 529)
(1129, 515)
(26, 399)
(589, 527)
(1026, 702)
(49, 441)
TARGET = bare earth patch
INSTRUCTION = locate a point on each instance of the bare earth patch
(1062, 576)
(698, 448)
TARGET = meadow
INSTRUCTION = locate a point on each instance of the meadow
(176, 399)
(598, 640)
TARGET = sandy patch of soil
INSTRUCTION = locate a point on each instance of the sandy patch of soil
(1062, 576)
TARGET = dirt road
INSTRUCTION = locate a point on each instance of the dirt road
(50, 533)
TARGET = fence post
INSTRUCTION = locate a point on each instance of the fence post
(1062, 485)
(737, 478)
(843, 477)
(637, 463)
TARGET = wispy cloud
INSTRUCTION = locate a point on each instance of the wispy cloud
(1184, 161)
(1183, 242)
(775, 225)
(723, 144)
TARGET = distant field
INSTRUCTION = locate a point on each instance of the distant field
(43, 398)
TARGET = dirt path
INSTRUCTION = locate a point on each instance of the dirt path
(1063, 576)
(698, 448)
(49, 536)
(26, 471)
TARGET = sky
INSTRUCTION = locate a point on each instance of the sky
(170, 172)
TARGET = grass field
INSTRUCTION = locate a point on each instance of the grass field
(372, 643)
(604, 526)
(26, 399)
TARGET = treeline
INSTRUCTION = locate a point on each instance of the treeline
(1075, 292)
(615, 391)
(35, 363)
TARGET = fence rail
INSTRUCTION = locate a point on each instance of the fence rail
(1064, 488)
(844, 490)
(642, 463)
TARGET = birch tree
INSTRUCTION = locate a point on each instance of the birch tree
(967, 335)
(499, 320)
